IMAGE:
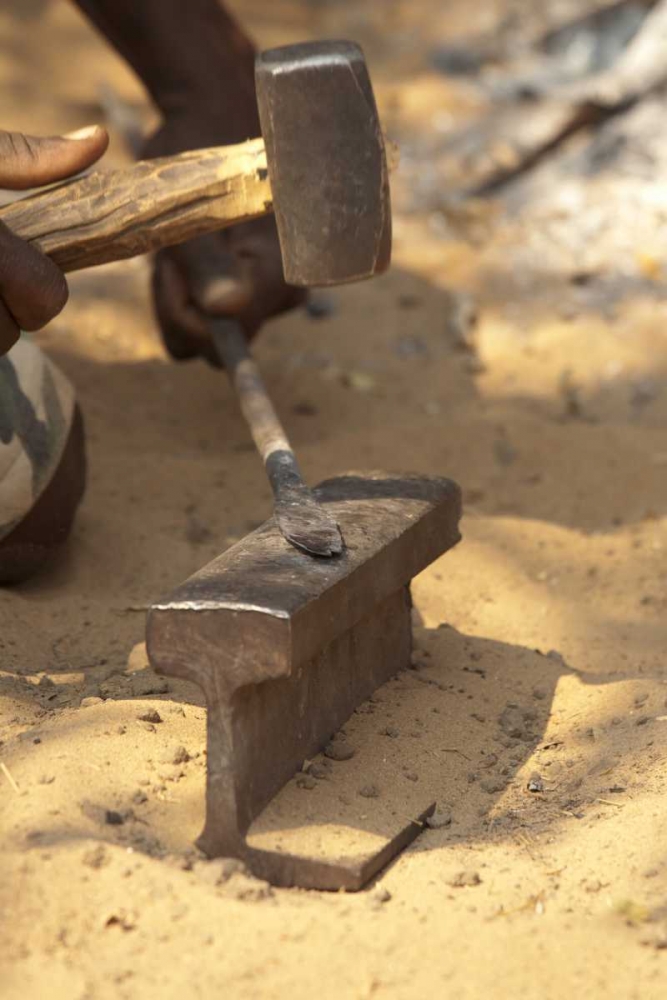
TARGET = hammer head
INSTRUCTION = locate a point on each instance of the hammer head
(326, 160)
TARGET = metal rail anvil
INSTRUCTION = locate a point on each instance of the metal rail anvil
(285, 646)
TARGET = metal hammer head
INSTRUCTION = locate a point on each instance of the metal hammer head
(326, 162)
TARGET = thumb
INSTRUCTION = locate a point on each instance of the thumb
(26, 161)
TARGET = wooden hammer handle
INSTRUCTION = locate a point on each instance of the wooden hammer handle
(107, 216)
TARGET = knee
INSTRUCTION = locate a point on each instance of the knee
(46, 526)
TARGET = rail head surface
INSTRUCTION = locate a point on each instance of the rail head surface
(281, 606)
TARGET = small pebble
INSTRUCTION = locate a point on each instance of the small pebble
(125, 919)
(540, 693)
(535, 783)
(440, 818)
(180, 756)
(369, 792)
(152, 715)
(390, 731)
(306, 781)
(113, 817)
(139, 797)
(380, 895)
(320, 769)
(411, 776)
(339, 749)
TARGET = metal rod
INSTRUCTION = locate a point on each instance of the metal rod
(302, 519)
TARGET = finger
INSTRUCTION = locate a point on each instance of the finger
(27, 161)
(9, 329)
(257, 252)
(182, 326)
(32, 287)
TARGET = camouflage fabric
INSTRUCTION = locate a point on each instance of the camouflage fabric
(36, 410)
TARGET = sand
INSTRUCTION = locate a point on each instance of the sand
(536, 710)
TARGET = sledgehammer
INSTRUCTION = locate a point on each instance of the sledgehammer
(320, 166)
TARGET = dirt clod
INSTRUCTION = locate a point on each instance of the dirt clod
(95, 857)
(247, 889)
(218, 870)
(145, 683)
(151, 715)
(467, 877)
(380, 895)
(535, 783)
(320, 769)
(516, 722)
(441, 817)
(339, 749)
(179, 755)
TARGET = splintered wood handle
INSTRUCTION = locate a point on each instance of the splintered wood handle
(107, 216)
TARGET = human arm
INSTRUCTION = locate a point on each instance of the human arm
(198, 67)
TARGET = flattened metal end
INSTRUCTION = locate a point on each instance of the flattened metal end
(306, 524)
(326, 160)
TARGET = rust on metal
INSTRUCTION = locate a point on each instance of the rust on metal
(285, 647)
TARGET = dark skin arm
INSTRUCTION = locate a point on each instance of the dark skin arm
(198, 67)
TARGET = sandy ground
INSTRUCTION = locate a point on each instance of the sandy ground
(536, 379)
